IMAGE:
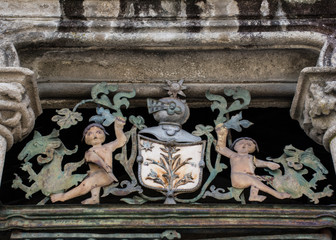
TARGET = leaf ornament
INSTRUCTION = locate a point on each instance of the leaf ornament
(138, 121)
(236, 122)
(99, 94)
(104, 117)
(66, 118)
(202, 130)
(100, 91)
(241, 96)
(220, 103)
(120, 99)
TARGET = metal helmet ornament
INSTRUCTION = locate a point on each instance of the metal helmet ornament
(171, 113)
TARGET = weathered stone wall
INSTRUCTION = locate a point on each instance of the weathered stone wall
(70, 45)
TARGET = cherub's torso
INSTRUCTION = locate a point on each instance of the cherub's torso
(242, 163)
(96, 152)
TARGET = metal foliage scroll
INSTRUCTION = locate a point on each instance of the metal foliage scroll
(165, 163)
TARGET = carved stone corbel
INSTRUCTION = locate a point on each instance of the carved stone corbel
(314, 106)
(19, 106)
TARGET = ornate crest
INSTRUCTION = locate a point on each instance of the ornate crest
(172, 162)
(170, 168)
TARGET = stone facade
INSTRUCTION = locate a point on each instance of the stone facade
(53, 51)
(127, 42)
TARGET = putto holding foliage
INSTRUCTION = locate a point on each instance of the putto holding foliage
(243, 165)
(99, 158)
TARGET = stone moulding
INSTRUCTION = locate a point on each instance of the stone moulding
(20, 105)
(62, 85)
(25, 77)
(319, 125)
(163, 34)
(135, 217)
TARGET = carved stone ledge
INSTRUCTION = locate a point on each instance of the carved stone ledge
(314, 104)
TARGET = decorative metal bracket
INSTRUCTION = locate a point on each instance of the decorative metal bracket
(170, 159)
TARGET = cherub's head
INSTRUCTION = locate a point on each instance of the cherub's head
(244, 145)
(94, 134)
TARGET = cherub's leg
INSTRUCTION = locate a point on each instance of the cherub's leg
(258, 184)
(242, 180)
(98, 179)
(254, 195)
(94, 199)
(80, 190)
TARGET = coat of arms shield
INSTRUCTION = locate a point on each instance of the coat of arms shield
(170, 168)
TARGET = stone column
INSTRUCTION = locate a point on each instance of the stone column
(314, 106)
(19, 106)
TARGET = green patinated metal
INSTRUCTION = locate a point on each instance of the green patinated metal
(127, 163)
(220, 103)
(168, 234)
(100, 93)
(242, 99)
(52, 179)
(67, 118)
(296, 164)
(211, 216)
(155, 106)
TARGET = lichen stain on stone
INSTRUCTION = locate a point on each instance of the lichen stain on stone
(255, 10)
(72, 9)
(194, 10)
(72, 16)
(172, 8)
(232, 8)
(323, 8)
(264, 8)
(215, 8)
(302, 1)
(140, 8)
(102, 8)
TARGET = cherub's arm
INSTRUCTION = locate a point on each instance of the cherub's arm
(221, 147)
(120, 135)
(92, 156)
(262, 163)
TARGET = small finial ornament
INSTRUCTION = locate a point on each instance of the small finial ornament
(175, 88)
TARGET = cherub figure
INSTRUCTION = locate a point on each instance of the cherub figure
(243, 165)
(99, 158)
